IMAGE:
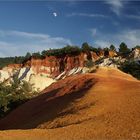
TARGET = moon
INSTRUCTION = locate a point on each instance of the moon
(54, 14)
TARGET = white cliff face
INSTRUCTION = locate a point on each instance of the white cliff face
(69, 73)
(4, 75)
(39, 81)
(21, 72)
(108, 62)
(25, 74)
(136, 53)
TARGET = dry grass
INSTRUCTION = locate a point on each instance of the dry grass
(104, 105)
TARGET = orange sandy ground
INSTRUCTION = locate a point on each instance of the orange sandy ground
(110, 109)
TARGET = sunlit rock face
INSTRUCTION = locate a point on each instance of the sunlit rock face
(112, 54)
(4, 75)
(136, 53)
(53, 66)
(108, 62)
(38, 80)
(43, 72)
(8, 72)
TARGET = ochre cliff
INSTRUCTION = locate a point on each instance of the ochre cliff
(53, 66)
(50, 69)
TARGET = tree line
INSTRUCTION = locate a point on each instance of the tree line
(67, 50)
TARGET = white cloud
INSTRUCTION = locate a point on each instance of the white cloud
(130, 37)
(133, 16)
(87, 15)
(23, 34)
(102, 43)
(116, 5)
(18, 43)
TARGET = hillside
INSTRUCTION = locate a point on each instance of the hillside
(100, 105)
(53, 65)
(56, 65)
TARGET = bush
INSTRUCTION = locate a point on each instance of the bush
(124, 50)
(37, 55)
(85, 47)
(14, 95)
(68, 50)
(132, 68)
(112, 47)
(11, 60)
(89, 63)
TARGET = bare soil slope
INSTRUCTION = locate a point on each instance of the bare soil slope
(104, 105)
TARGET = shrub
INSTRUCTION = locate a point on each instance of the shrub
(112, 47)
(124, 50)
(14, 95)
(68, 50)
(11, 60)
(89, 63)
(132, 68)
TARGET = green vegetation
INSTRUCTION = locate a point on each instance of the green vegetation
(132, 68)
(123, 49)
(13, 95)
(106, 52)
(27, 56)
(69, 50)
(60, 52)
(11, 60)
(85, 47)
(37, 55)
(137, 46)
(89, 63)
(112, 47)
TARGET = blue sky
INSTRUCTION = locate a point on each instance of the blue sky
(37, 25)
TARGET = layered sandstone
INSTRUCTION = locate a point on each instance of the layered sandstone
(53, 66)
(50, 69)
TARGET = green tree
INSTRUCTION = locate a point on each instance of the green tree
(112, 47)
(123, 48)
(44, 53)
(106, 52)
(137, 46)
(71, 50)
(16, 60)
(85, 47)
(94, 49)
(28, 56)
(36, 55)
